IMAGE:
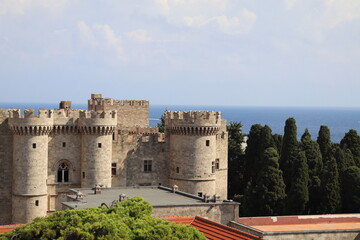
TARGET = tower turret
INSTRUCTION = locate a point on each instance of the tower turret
(192, 150)
(30, 163)
(97, 128)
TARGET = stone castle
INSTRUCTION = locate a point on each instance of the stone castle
(111, 144)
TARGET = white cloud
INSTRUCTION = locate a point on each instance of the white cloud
(225, 15)
(19, 7)
(289, 4)
(139, 35)
(242, 23)
(338, 12)
(101, 36)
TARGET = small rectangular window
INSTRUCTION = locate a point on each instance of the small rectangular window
(207, 143)
(36, 202)
(83, 174)
(177, 169)
(34, 145)
(113, 169)
(213, 167)
(99, 145)
(64, 144)
(147, 165)
(200, 194)
(217, 164)
(113, 136)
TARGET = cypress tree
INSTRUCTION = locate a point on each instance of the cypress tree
(314, 161)
(331, 201)
(289, 151)
(351, 141)
(350, 191)
(235, 159)
(253, 152)
(324, 142)
(269, 191)
(278, 141)
(298, 194)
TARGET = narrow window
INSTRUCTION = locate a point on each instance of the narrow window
(83, 173)
(34, 145)
(177, 169)
(113, 136)
(64, 144)
(213, 166)
(63, 173)
(200, 194)
(113, 169)
(147, 165)
(36, 202)
(99, 145)
(217, 164)
(207, 143)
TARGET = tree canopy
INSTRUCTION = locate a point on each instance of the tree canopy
(129, 219)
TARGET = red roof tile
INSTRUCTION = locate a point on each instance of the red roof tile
(212, 230)
(8, 228)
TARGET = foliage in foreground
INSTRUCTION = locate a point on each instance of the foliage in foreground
(129, 219)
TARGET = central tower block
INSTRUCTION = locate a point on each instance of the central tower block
(192, 150)
(30, 163)
(97, 128)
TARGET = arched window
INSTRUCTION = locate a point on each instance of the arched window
(63, 173)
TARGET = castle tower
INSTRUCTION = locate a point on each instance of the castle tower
(97, 129)
(30, 163)
(192, 150)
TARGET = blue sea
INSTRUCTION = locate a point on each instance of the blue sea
(339, 120)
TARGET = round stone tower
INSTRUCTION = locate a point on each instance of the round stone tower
(192, 150)
(30, 163)
(96, 147)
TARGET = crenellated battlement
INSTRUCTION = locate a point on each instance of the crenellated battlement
(192, 118)
(97, 122)
(89, 114)
(30, 113)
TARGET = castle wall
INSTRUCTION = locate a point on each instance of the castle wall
(131, 113)
(147, 148)
(70, 154)
(29, 177)
(191, 163)
(96, 160)
(5, 169)
(222, 156)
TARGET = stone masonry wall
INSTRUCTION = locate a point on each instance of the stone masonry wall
(144, 149)
(5, 169)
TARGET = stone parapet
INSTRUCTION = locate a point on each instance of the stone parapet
(29, 123)
(200, 119)
(97, 122)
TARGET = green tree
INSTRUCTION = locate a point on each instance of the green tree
(278, 141)
(351, 141)
(289, 151)
(350, 191)
(126, 220)
(314, 161)
(269, 191)
(298, 194)
(235, 159)
(259, 139)
(161, 125)
(324, 142)
(331, 201)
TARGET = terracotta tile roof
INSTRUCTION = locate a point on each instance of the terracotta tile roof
(212, 230)
(303, 223)
(8, 228)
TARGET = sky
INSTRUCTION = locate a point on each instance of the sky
(182, 52)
